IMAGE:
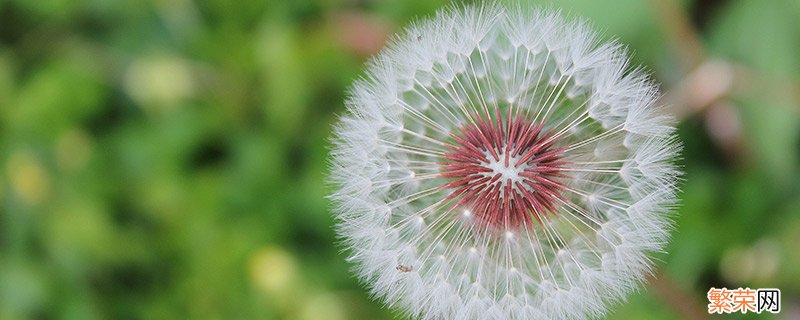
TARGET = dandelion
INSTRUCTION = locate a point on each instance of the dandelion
(501, 163)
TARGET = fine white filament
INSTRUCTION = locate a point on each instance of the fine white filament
(418, 253)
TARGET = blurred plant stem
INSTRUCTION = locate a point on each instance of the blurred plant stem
(676, 297)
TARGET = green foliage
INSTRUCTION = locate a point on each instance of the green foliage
(166, 159)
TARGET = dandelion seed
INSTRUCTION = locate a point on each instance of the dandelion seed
(513, 160)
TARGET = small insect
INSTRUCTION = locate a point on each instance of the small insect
(419, 38)
(404, 268)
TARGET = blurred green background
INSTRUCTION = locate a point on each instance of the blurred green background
(165, 158)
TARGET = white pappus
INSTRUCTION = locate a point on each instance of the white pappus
(500, 162)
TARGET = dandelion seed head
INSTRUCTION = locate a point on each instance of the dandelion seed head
(508, 172)
(502, 162)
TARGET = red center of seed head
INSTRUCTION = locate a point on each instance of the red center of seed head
(505, 174)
